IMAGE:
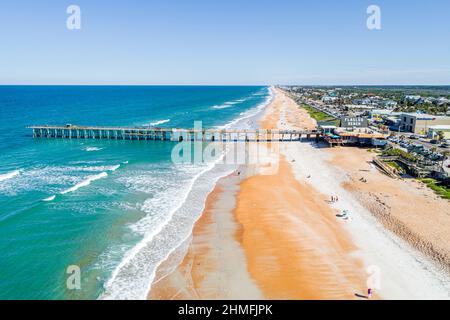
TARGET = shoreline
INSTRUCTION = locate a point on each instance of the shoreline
(213, 260)
(301, 222)
(179, 223)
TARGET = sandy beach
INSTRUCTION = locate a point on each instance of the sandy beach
(406, 207)
(277, 235)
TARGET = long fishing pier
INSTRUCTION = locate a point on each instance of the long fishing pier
(169, 134)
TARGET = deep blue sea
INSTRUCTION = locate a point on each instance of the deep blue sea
(115, 209)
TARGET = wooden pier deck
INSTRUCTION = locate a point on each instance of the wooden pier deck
(169, 134)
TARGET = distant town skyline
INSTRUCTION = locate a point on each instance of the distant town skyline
(225, 43)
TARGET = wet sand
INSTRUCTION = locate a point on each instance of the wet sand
(214, 266)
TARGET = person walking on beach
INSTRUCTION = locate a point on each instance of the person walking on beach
(369, 293)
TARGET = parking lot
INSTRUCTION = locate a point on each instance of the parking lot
(414, 139)
(422, 148)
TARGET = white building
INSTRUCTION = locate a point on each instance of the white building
(433, 131)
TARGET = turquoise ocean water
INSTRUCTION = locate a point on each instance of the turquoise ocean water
(116, 209)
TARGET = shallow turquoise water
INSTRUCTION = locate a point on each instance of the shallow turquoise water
(108, 195)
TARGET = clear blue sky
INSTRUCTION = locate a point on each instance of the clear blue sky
(225, 42)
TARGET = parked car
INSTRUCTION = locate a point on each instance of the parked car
(434, 141)
(413, 137)
(445, 145)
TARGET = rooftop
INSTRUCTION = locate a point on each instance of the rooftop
(424, 116)
(440, 127)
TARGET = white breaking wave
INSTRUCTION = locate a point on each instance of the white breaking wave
(245, 121)
(156, 123)
(50, 179)
(85, 182)
(132, 277)
(9, 175)
(90, 149)
(223, 106)
(228, 104)
(114, 168)
(49, 199)
(97, 168)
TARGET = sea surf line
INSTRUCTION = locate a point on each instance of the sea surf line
(9, 175)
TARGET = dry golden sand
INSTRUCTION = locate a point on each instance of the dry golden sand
(285, 240)
(295, 247)
(297, 118)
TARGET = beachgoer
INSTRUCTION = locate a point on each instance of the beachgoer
(369, 293)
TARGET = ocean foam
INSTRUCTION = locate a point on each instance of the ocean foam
(156, 123)
(245, 119)
(49, 199)
(223, 106)
(49, 179)
(9, 175)
(132, 277)
(114, 168)
(228, 104)
(85, 182)
(96, 168)
(90, 149)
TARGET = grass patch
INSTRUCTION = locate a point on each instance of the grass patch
(400, 153)
(396, 166)
(440, 189)
(316, 114)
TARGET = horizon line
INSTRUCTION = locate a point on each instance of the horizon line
(225, 85)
